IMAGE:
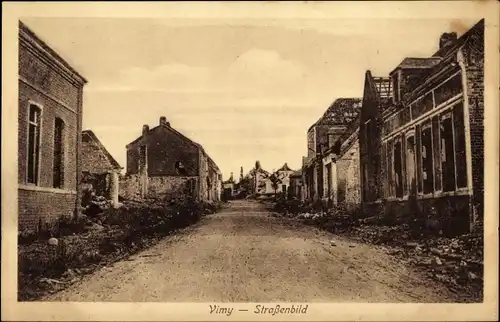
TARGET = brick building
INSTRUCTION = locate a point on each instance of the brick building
(324, 139)
(421, 134)
(100, 171)
(163, 163)
(49, 127)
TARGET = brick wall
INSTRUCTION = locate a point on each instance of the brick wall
(58, 93)
(36, 69)
(473, 52)
(50, 110)
(93, 159)
(45, 206)
(349, 189)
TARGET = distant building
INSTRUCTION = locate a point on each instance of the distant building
(229, 188)
(163, 163)
(296, 184)
(421, 134)
(100, 171)
(259, 181)
(283, 175)
(49, 145)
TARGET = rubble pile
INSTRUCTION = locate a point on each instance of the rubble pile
(95, 206)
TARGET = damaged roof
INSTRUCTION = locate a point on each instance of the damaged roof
(417, 63)
(447, 56)
(341, 112)
(285, 167)
(91, 135)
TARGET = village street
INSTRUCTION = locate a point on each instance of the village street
(243, 253)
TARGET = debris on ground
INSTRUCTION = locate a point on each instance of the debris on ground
(455, 261)
(80, 246)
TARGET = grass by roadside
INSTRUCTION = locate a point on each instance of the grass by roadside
(49, 262)
(456, 261)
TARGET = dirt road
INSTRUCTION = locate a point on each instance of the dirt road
(244, 254)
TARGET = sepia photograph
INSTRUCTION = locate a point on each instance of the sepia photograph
(251, 163)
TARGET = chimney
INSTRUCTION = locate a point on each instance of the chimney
(145, 129)
(163, 121)
(446, 39)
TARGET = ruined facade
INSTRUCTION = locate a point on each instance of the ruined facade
(348, 187)
(229, 188)
(421, 135)
(50, 121)
(100, 171)
(324, 141)
(259, 183)
(283, 174)
(163, 163)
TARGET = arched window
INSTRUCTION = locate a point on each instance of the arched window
(34, 124)
(58, 164)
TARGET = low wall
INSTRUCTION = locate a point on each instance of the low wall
(167, 187)
(170, 187)
(129, 187)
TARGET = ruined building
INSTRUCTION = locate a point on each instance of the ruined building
(421, 134)
(100, 171)
(163, 163)
(324, 141)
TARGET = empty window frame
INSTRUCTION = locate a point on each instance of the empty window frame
(453, 158)
(448, 90)
(427, 159)
(447, 152)
(411, 178)
(398, 168)
(384, 176)
(34, 128)
(58, 163)
(179, 167)
(329, 179)
(390, 167)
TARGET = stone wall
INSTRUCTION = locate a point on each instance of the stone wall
(164, 188)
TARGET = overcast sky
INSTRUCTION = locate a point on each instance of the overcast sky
(246, 90)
